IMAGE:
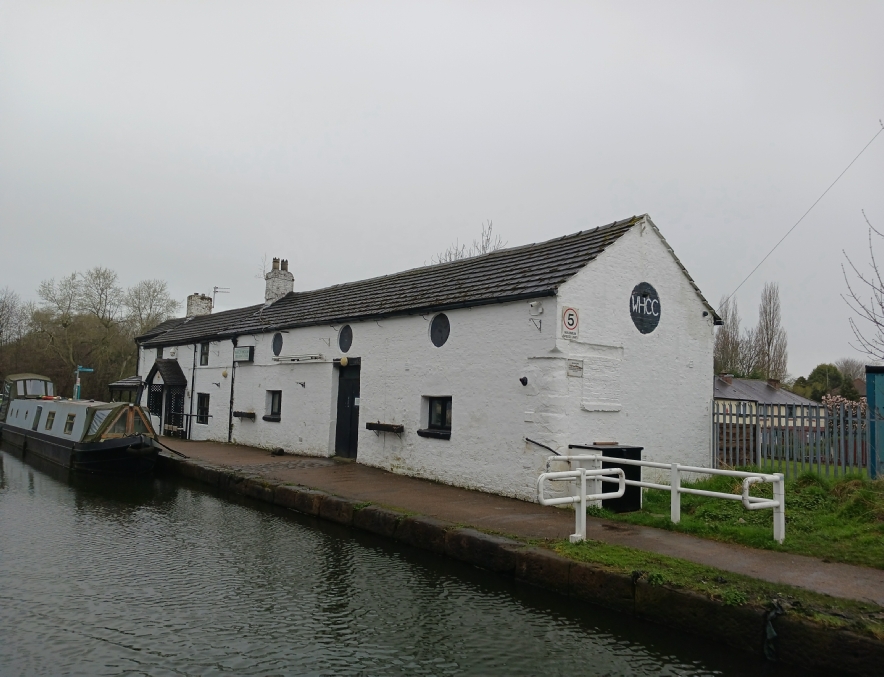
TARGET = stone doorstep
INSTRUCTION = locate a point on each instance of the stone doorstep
(798, 642)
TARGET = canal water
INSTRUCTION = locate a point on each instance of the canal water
(161, 577)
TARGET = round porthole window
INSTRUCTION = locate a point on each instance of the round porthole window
(440, 328)
(277, 344)
(345, 338)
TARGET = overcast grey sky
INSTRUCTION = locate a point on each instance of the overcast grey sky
(186, 140)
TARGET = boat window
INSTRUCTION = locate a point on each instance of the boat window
(20, 386)
(119, 426)
(69, 424)
(50, 419)
(140, 427)
(50, 388)
(98, 419)
(37, 415)
(35, 387)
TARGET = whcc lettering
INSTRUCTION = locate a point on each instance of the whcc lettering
(645, 308)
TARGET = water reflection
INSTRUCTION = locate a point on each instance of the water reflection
(156, 577)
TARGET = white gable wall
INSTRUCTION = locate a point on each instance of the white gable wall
(662, 380)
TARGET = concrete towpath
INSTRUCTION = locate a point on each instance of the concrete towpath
(530, 520)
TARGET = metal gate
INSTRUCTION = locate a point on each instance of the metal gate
(828, 439)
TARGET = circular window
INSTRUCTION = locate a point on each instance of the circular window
(277, 344)
(440, 328)
(345, 338)
(644, 307)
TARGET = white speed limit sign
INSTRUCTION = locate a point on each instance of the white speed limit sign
(570, 323)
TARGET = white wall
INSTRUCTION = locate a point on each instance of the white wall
(661, 380)
(656, 387)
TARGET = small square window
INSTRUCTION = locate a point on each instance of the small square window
(438, 418)
(202, 407)
(273, 405)
(440, 413)
(69, 424)
(204, 355)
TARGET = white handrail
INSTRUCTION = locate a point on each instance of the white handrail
(778, 503)
(581, 498)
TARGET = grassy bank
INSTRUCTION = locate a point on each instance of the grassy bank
(732, 589)
(841, 520)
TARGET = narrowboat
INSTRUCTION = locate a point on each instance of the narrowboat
(100, 437)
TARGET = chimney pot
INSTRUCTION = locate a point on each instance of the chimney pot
(279, 281)
(199, 304)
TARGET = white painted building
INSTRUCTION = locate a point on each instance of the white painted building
(597, 336)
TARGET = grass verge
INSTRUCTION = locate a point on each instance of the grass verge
(838, 520)
(731, 589)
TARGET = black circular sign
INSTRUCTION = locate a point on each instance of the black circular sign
(440, 328)
(644, 306)
(345, 338)
(277, 343)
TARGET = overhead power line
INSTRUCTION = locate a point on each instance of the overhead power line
(788, 232)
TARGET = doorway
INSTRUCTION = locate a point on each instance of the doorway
(174, 415)
(347, 430)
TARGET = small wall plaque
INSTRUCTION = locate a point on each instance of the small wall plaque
(575, 368)
(244, 354)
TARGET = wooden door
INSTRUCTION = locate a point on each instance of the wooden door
(347, 430)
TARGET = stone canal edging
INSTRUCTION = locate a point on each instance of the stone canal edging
(784, 637)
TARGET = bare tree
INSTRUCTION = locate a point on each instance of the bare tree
(147, 304)
(866, 298)
(100, 295)
(851, 368)
(726, 351)
(13, 316)
(61, 298)
(487, 243)
(770, 335)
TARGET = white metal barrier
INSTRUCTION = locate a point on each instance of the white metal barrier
(581, 498)
(778, 503)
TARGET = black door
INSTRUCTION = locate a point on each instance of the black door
(174, 419)
(347, 432)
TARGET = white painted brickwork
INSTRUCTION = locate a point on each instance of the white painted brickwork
(652, 390)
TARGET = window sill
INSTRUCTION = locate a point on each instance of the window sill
(273, 419)
(437, 434)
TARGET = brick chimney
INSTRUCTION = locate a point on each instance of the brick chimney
(727, 378)
(279, 281)
(199, 304)
(774, 383)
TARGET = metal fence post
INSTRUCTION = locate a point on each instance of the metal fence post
(779, 512)
(675, 500)
(580, 518)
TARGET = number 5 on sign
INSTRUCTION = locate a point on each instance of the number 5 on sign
(570, 323)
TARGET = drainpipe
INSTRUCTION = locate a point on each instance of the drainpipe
(192, 394)
(232, 380)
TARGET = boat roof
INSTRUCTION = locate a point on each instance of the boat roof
(25, 375)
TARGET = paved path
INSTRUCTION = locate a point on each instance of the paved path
(529, 520)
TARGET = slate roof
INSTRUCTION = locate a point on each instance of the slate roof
(755, 390)
(529, 271)
(128, 383)
(170, 370)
